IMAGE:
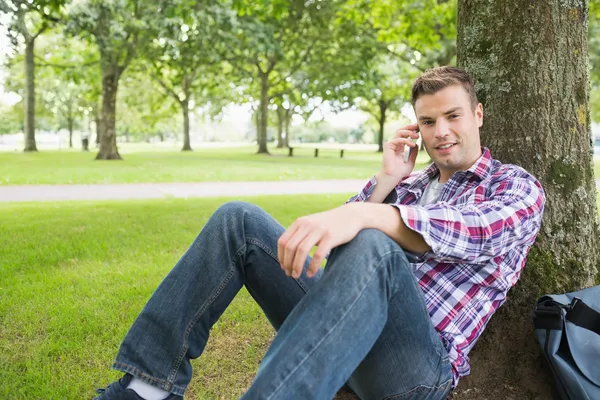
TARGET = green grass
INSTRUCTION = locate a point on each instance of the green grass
(74, 275)
(151, 164)
(203, 165)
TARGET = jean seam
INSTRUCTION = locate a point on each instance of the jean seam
(332, 328)
(266, 249)
(420, 388)
(197, 317)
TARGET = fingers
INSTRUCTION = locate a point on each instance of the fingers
(295, 244)
(291, 247)
(324, 248)
(410, 127)
(407, 133)
(302, 251)
(283, 241)
(398, 144)
(401, 141)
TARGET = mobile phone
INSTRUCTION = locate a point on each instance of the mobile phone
(408, 153)
(412, 149)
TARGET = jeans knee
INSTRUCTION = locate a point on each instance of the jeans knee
(235, 210)
(374, 243)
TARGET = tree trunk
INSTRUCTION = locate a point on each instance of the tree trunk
(30, 144)
(70, 123)
(185, 105)
(108, 137)
(280, 118)
(382, 111)
(288, 120)
(531, 72)
(261, 136)
(257, 121)
(98, 121)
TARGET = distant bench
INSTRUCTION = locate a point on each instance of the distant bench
(291, 151)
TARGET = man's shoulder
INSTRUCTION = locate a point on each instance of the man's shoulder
(500, 171)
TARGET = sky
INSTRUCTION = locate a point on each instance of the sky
(4, 48)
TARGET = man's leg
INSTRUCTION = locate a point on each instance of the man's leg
(342, 324)
(237, 246)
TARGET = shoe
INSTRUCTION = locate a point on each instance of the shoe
(118, 391)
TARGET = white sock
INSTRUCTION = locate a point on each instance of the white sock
(146, 390)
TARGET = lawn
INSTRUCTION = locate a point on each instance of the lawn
(202, 165)
(152, 164)
(75, 275)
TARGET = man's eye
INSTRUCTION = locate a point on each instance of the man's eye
(427, 122)
(454, 116)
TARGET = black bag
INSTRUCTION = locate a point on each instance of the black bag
(567, 327)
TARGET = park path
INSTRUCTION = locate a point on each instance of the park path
(130, 191)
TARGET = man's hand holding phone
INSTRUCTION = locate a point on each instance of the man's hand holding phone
(400, 153)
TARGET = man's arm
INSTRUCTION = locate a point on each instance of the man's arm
(477, 232)
(387, 219)
(329, 229)
(385, 184)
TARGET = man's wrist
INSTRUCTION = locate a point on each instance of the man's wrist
(385, 179)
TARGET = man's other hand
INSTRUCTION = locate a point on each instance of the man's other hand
(325, 230)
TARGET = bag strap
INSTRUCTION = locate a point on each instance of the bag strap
(583, 315)
(548, 314)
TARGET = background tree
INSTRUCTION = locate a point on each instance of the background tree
(385, 91)
(275, 40)
(531, 69)
(146, 115)
(28, 21)
(183, 59)
(120, 29)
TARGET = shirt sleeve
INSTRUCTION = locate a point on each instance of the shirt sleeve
(480, 231)
(365, 193)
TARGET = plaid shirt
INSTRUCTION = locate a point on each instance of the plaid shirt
(480, 232)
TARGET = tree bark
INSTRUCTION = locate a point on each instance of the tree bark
(261, 135)
(531, 72)
(288, 121)
(383, 106)
(98, 121)
(185, 106)
(280, 123)
(108, 138)
(30, 144)
(70, 123)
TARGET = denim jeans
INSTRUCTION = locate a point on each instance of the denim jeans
(360, 321)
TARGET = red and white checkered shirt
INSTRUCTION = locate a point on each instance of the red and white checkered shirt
(480, 231)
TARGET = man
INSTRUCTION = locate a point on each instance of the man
(407, 290)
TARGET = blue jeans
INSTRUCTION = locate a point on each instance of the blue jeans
(361, 321)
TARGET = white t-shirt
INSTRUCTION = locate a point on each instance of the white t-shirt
(432, 192)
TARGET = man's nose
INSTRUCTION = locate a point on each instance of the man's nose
(441, 129)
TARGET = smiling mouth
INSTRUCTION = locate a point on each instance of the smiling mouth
(445, 146)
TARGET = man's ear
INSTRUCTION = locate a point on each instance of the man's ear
(479, 115)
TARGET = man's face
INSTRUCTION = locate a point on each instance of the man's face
(450, 129)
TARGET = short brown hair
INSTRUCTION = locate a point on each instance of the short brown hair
(438, 78)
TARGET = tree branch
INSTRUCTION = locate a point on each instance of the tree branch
(296, 67)
(44, 63)
(168, 90)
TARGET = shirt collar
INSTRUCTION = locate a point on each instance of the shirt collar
(480, 168)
